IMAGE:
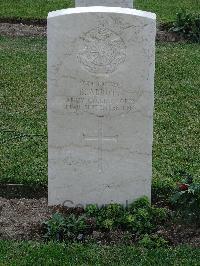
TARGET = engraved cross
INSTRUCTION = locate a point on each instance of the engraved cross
(100, 138)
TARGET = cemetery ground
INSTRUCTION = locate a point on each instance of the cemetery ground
(24, 161)
(24, 157)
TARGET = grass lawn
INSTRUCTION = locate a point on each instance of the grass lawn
(23, 113)
(24, 122)
(166, 10)
(32, 253)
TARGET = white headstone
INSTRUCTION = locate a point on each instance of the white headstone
(120, 3)
(100, 105)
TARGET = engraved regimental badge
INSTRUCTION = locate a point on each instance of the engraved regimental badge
(101, 50)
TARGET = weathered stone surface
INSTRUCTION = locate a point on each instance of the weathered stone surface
(120, 3)
(100, 105)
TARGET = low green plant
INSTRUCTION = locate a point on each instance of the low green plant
(108, 224)
(141, 222)
(139, 218)
(110, 216)
(74, 225)
(143, 218)
(113, 210)
(159, 214)
(92, 209)
(152, 241)
(61, 228)
(186, 200)
(187, 25)
(55, 227)
(142, 202)
(162, 189)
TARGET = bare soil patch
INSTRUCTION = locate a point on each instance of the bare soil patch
(22, 219)
(19, 29)
(167, 36)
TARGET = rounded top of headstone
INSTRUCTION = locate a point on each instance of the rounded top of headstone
(102, 9)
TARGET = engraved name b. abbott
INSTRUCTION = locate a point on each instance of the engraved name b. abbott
(101, 50)
(99, 98)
